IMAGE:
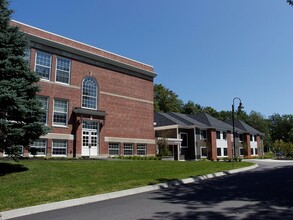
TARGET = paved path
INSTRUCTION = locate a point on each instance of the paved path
(263, 193)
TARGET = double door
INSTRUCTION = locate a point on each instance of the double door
(90, 139)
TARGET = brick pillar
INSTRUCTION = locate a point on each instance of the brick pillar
(229, 144)
(77, 143)
(121, 148)
(247, 151)
(134, 149)
(212, 144)
(49, 149)
(259, 150)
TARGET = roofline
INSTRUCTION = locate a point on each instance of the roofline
(85, 53)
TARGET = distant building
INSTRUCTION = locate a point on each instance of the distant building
(97, 103)
(203, 136)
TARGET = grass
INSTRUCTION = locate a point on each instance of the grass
(33, 182)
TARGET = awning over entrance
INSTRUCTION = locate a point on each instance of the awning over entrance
(90, 113)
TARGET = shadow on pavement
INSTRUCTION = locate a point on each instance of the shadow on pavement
(262, 194)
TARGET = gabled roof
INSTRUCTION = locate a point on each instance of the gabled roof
(211, 121)
(190, 120)
(245, 128)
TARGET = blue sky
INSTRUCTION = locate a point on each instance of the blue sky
(205, 51)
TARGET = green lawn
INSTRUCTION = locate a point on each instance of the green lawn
(32, 182)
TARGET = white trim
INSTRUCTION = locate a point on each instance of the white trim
(166, 127)
(39, 29)
(130, 140)
(126, 97)
(58, 136)
(59, 84)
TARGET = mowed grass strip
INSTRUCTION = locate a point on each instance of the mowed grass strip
(33, 182)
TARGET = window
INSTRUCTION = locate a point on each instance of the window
(63, 70)
(89, 93)
(256, 151)
(184, 137)
(218, 134)
(60, 112)
(255, 138)
(114, 149)
(204, 152)
(241, 151)
(251, 137)
(203, 134)
(27, 55)
(43, 64)
(44, 102)
(224, 135)
(141, 149)
(59, 148)
(241, 138)
(128, 149)
(41, 146)
(222, 151)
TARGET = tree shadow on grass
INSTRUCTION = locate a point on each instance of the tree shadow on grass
(7, 168)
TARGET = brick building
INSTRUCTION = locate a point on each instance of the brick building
(97, 103)
(203, 136)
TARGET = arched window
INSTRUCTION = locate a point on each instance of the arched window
(89, 93)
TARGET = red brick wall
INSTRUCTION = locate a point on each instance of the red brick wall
(130, 116)
(212, 144)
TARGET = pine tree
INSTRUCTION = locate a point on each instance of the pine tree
(20, 111)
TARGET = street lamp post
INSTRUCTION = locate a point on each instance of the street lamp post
(233, 122)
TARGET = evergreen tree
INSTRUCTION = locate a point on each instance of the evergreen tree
(20, 111)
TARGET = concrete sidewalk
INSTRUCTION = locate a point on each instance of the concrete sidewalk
(91, 199)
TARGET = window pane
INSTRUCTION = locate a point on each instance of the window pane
(218, 134)
(128, 149)
(43, 64)
(59, 147)
(184, 138)
(60, 112)
(89, 93)
(141, 149)
(114, 148)
(219, 151)
(204, 152)
(44, 102)
(40, 145)
(63, 70)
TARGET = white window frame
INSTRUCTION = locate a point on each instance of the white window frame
(141, 150)
(69, 71)
(56, 124)
(43, 78)
(82, 95)
(201, 152)
(46, 145)
(66, 148)
(184, 133)
(110, 148)
(128, 147)
(222, 151)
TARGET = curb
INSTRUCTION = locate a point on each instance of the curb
(102, 197)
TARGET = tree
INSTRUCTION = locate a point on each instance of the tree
(20, 111)
(290, 2)
(166, 100)
(191, 108)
